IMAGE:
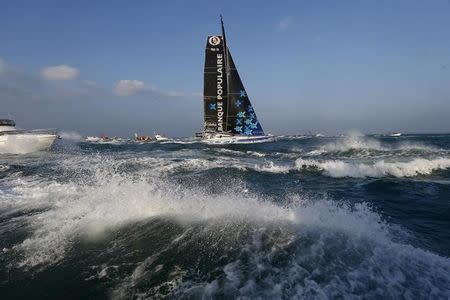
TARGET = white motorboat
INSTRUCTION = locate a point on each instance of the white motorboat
(93, 139)
(160, 137)
(229, 117)
(17, 141)
(394, 134)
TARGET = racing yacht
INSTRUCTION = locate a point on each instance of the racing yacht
(229, 117)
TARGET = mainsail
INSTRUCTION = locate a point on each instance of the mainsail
(215, 90)
(227, 108)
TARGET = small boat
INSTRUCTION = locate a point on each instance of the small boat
(160, 137)
(92, 139)
(229, 117)
(395, 134)
(143, 138)
(19, 141)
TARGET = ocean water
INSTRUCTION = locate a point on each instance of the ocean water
(301, 218)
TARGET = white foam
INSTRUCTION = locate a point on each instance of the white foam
(339, 168)
(271, 167)
(255, 153)
(353, 141)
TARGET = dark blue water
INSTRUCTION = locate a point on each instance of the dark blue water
(315, 218)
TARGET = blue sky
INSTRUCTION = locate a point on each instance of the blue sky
(118, 67)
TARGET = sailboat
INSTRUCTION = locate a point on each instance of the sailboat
(229, 117)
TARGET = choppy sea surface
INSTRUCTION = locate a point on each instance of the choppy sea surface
(304, 218)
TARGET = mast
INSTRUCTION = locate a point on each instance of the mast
(227, 68)
(224, 41)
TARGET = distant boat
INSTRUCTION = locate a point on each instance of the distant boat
(395, 134)
(229, 117)
(14, 140)
(143, 138)
(160, 137)
(92, 138)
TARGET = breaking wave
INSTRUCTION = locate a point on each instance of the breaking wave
(366, 144)
(337, 168)
(109, 198)
(294, 246)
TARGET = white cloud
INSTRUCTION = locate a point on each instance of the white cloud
(127, 87)
(130, 87)
(285, 23)
(61, 72)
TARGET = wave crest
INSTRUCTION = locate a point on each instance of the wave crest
(365, 144)
(338, 168)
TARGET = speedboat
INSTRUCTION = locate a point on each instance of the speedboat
(160, 137)
(18, 141)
